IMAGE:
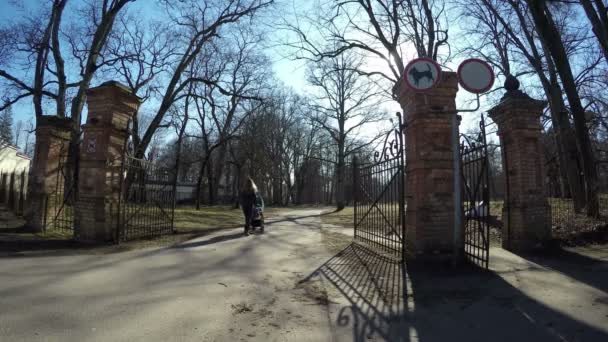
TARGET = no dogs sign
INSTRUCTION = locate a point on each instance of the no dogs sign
(475, 75)
(422, 74)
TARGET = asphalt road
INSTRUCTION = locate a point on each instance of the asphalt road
(297, 282)
(221, 287)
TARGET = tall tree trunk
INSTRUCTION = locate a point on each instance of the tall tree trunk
(199, 181)
(567, 145)
(210, 182)
(218, 170)
(41, 64)
(551, 37)
(276, 190)
(599, 22)
(236, 176)
(100, 38)
(178, 154)
(340, 177)
(58, 8)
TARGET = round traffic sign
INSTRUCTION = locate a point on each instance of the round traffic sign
(475, 75)
(422, 74)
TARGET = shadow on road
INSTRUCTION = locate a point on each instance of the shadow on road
(396, 302)
(585, 269)
(215, 239)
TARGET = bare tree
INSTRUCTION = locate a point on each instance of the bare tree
(17, 132)
(28, 41)
(29, 150)
(141, 55)
(235, 78)
(378, 29)
(551, 38)
(512, 33)
(345, 104)
(6, 126)
(597, 12)
(198, 24)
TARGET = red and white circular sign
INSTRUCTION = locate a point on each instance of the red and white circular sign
(475, 75)
(422, 74)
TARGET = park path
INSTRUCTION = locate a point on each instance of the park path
(220, 287)
(300, 281)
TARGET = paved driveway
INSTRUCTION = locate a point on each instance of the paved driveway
(222, 287)
(297, 282)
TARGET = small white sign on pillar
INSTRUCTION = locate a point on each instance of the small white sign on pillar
(91, 145)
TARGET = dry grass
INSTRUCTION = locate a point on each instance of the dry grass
(343, 218)
(335, 241)
(496, 208)
(189, 223)
(190, 220)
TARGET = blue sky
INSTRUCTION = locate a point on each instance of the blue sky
(290, 72)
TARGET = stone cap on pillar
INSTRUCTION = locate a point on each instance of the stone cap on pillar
(414, 101)
(54, 121)
(515, 98)
(54, 125)
(449, 80)
(111, 103)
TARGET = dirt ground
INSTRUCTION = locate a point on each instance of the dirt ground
(300, 281)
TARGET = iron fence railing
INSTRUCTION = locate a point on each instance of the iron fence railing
(147, 201)
(13, 190)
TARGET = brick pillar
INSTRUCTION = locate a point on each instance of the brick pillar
(111, 106)
(526, 213)
(52, 142)
(429, 179)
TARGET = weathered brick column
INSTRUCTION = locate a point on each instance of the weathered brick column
(429, 178)
(526, 213)
(111, 106)
(52, 143)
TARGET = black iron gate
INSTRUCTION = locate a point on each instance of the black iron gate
(59, 204)
(146, 205)
(476, 196)
(379, 196)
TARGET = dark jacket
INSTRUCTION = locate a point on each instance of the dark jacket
(248, 201)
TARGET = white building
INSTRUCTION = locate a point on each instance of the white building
(11, 160)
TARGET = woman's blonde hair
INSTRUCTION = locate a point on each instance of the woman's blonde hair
(249, 186)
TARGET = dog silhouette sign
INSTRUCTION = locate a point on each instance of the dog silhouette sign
(422, 74)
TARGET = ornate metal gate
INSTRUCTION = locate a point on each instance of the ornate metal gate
(379, 196)
(476, 196)
(59, 204)
(146, 204)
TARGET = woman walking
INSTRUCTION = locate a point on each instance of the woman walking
(250, 201)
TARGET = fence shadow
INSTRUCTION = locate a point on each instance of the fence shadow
(382, 299)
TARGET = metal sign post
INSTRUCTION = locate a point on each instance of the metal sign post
(476, 76)
(458, 181)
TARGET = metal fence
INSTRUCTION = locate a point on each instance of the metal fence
(476, 196)
(13, 191)
(147, 200)
(59, 204)
(567, 225)
(379, 197)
